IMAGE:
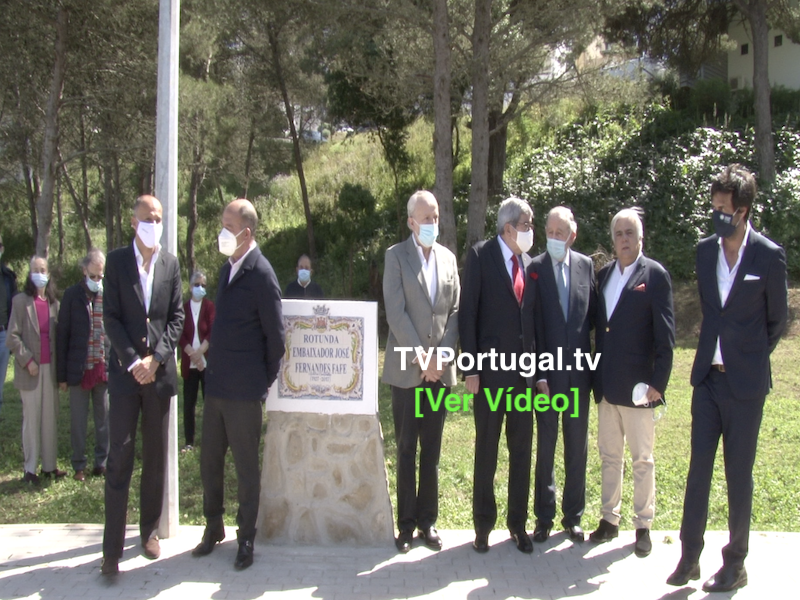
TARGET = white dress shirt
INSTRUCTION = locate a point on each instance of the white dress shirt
(428, 269)
(237, 264)
(195, 306)
(616, 283)
(146, 277)
(507, 256)
(725, 279)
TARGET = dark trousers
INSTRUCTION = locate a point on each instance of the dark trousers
(417, 507)
(191, 385)
(715, 413)
(123, 418)
(576, 447)
(79, 415)
(519, 437)
(234, 424)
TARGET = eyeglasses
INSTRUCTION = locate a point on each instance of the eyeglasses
(526, 225)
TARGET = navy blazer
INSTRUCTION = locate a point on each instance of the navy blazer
(552, 331)
(247, 337)
(752, 320)
(134, 333)
(635, 345)
(489, 315)
(74, 326)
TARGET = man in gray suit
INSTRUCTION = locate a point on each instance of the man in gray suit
(422, 290)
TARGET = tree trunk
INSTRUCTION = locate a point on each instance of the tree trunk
(756, 12)
(60, 216)
(108, 194)
(32, 187)
(481, 32)
(196, 180)
(249, 157)
(83, 213)
(497, 152)
(117, 189)
(84, 201)
(298, 157)
(443, 133)
(50, 146)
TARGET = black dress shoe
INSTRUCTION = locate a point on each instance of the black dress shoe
(211, 536)
(109, 566)
(541, 532)
(431, 538)
(605, 532)
(244, 557)
(403, 541)
(97, 471)
(30, 478)
(575, 533)
(522, 540)
(683, 573)
(643, 545)
(481, 543)
(726, 579)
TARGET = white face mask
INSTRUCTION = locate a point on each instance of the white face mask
(149, 233)
(226, 241)
(94, 286)
(525, 240)
(40, 279)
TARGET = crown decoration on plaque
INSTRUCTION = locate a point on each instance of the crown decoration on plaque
(321, 313)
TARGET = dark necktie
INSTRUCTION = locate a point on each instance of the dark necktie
(516, 276)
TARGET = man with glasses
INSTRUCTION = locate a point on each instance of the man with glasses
(490, 318)
(8, 287)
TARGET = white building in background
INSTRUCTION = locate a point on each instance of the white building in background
(784, 58)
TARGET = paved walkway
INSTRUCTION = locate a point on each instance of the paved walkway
(55, 562)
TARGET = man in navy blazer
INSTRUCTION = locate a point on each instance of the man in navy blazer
(491, 318)
(566, 302)
(634, 337)
(741, 277)
(143, 319)
(247, 344)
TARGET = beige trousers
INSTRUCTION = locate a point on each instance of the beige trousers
(615, 424)
(39, 418)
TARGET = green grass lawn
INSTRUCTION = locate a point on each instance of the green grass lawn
(776, 503)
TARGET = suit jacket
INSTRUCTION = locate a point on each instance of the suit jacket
(24, 342)
(636, 344)
(413, 319)
(552, 331)
(205, 319)
(247, 338)
(8, 279)
(489, 315)
(74, 326)
(295, 290)
(134, 333)
(752, 320)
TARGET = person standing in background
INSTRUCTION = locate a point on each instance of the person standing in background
(303, 287)
(8, 287)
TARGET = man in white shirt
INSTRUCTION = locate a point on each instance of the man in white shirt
(635, 335)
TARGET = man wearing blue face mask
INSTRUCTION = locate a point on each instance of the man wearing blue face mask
(741, 277)
(82, 350)
(303, 287)
(563, 283)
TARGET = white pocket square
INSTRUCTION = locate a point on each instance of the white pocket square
(752, 277)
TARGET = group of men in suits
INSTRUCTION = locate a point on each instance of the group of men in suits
(143, 316)
(510, 303)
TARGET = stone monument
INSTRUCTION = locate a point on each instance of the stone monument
(324, 478)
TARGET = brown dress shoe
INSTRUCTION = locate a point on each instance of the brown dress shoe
(79, 476)
(152, 549)
(55, 473)
(109, 566)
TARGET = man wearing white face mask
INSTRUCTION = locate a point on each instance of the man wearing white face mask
(496, 316)
(303, 287)
(565, 300)
(143, 317)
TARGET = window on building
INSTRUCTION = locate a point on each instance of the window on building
(778, 40)
(745, 49)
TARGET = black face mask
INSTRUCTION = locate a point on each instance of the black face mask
(723, 223)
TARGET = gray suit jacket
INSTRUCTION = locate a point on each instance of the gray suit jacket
(24, 342)
(413, 319)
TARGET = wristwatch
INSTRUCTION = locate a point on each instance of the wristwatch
(159, 359)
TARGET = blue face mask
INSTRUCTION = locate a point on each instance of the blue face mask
(556, 249)
(39, 279)
(428, 234)
(198, 292)
(94, 286)
(304, 275)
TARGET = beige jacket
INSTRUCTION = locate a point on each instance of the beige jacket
(23, 340)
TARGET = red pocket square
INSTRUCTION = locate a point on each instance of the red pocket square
(534, 275)
(639, 288)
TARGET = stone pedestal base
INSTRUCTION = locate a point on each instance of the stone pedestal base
(324, 481)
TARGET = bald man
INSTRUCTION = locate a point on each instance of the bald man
(247, 342)
(143, 317)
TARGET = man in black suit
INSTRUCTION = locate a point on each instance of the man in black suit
(247, 344)
(634, 337)
(741, 277)
(302, 287)
(491, 318)
(566, 302)
(143, 318)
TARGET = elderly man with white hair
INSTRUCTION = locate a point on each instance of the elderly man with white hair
(634, 337)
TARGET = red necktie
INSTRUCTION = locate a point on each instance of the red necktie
(516, 276)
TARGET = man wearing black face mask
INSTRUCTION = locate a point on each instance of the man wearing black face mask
(741, 277)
